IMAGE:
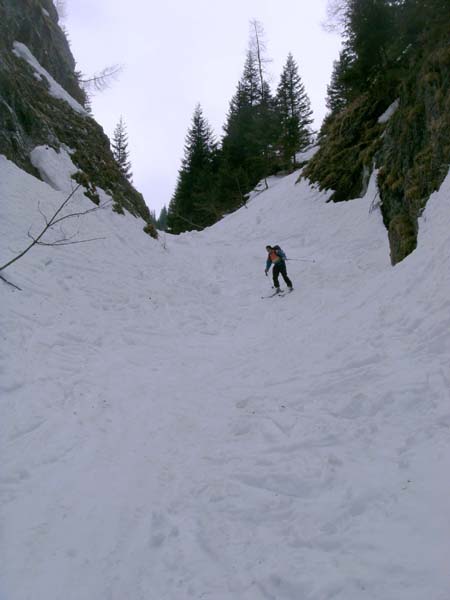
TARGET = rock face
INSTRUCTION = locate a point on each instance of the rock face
(30, 115)
(400, 125)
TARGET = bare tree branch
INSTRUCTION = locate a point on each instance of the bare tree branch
(42, 214)
(82, 213)
(68, 242)
(336, 18)
(9, 283)
(102, 80)
(49, 223)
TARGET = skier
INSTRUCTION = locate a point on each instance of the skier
(277, 258)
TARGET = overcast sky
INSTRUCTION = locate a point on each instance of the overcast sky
(176, 53)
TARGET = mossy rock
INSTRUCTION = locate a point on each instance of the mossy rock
(30, 116)
(349, 142)
(411, 151)
(402, 237)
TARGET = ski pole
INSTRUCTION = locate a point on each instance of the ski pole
(303, 259)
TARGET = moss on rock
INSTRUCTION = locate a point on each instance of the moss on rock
(30, 116)
(411, 151)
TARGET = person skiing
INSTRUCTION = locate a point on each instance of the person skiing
(277, 258)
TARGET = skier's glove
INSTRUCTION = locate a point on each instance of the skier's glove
(265, 272)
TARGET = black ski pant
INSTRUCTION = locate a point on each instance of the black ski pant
(278, 269)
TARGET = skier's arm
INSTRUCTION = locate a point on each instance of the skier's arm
(268, 264)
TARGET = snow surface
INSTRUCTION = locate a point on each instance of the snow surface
(384, 118)
(55, 89)
(55, 168)
(166, 434)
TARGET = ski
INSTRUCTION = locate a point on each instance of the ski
(282, 293)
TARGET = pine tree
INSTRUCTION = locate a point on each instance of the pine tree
(161, 222)
(191, 205)
(294, 112)
(250, 130)
(249, 85)
(120, 149)
(338, 89)
(368, 27)
(241, 149)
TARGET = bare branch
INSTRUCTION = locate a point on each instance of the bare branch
(69, 243)
(102, 80)
(42, 214)
(51, 223)
(336, 17)
(258, 44)
(81, 213)
(9, 283)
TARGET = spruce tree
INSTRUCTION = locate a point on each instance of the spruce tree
(161, 222)
(120, 149)
(338, 89)
(250, 129)
(294, 112)
(191, 205)
(250, 86)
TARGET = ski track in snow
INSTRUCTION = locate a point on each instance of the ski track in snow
(168, 435)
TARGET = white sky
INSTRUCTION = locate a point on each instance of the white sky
(177, 53)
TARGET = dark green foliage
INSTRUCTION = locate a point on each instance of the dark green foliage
(337, 91)
(251, 132)
(416, 149)
(91, 191)
(191, 205)
(402, 236)
(262, 134)
(120, 149)
(293, 112)
(117, 208)
(370, 27)
(161, 222)
(392, 49)
(350, 140)
(149, 229)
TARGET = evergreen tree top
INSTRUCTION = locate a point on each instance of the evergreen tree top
(291, 97)
(120, 149)
(200, 139)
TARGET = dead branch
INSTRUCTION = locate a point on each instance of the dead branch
(9, 283)
(49, 223)
(102, 80)
(68, 242)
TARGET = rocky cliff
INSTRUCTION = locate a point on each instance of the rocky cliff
(41, 103)
(400, 125)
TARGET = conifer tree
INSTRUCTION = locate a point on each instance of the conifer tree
(120, 149)
(190, 206)
(294, 111)
(161, 222)
(241, 144)
(368, 27)
(250, 129)
(338, 89)
(250, 86)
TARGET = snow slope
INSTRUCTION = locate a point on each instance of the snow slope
(166, 434)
